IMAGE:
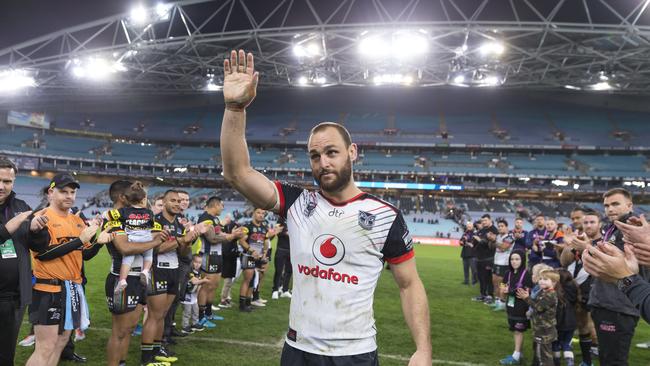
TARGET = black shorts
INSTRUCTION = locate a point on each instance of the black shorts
(519, 325)
(294, 357)
(229, 266)
(163, 281)
(247, 262)
(259, 263)
(212, 263)
(128, 300)
(500, 270)
(46, 308)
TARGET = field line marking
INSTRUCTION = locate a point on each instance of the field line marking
(280, 343)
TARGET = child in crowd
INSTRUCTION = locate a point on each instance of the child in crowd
(517, 277)
(190, 302)
(566, 318)
(544, 307)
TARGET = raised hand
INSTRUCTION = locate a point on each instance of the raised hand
(240, 80)
(636, 230)
(13, 224)
(39, 221)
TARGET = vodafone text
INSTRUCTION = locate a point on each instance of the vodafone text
(328, 274)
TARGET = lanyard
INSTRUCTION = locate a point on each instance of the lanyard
(521, 278)
(609, 232)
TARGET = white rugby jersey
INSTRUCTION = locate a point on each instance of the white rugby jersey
(337, 254)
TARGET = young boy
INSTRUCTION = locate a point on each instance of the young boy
(190, 302)
(138, 223)
(544, 308)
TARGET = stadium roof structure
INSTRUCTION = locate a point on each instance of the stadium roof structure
(600, 45)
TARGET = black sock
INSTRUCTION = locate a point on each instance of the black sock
(201, 311)
(585, 348)
(208, 309)
(256, 295)
(157, 344)
(242, 301)
(248, 301)
(122, 363)
(147, 352)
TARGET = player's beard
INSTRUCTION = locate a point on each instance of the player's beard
(342, 179)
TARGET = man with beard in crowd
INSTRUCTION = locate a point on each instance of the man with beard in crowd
(519, 234)
(332, 232)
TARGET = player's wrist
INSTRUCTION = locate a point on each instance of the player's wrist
(236, 107)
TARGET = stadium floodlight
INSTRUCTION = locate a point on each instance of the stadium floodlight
(399, 45)
(163, 11)
(459, 79)
(603, 85)
(572, 87)
(95, 68)
(393, 79)
(310, 48)
(13, 80)
(492, 48)
(138, 15)
(303, 80)
(211, 86)
(524, 179)
(560, 183)
(576, 186)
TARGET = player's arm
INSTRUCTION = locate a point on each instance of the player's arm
(267, 245)
(239, 90)
(415, 308)
(59, 250)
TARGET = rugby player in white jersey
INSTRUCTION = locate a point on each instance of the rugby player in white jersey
(340, 238)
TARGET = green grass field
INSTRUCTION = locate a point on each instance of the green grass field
(463, 332)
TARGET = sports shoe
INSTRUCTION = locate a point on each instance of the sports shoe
(165, 355)
(197, 328)
(156, 363)
(499, 307)
(569, 361)
(478, 298)
(225, 304)
(79, 335)
(263, 301)
(594, 351)
(187, 330)
(488, 300)
(175, 333)
(215, 307)
(286, 294)
(258, 303)
(644, 345)
(137, 331)
(275, 295)
(214, 317)
(206, 323)
(583, 363)
(509, 360)
(28, 341)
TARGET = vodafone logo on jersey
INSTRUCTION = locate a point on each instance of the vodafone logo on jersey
(328, 249)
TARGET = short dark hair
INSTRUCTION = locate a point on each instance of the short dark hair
(345, 134)
(618, 190)
(168, 192)
(540, 215)
(179, 191)
(578, 208)
(117, 189)
(6, 163)
(486, 216)
(213, 200)
(135, 193)
(590, 212)
(504, 222)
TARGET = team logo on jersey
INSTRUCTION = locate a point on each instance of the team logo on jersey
(310, 204)
(366, 220)
(328, 249)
